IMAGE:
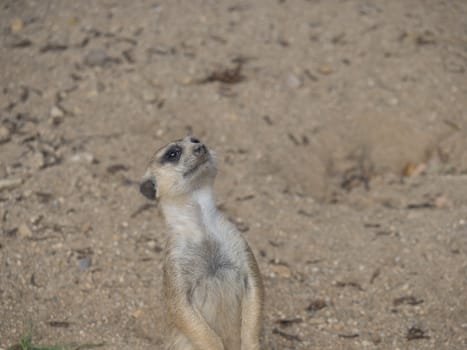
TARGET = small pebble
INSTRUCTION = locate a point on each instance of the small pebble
(96, 57)
(325, 69)
(442, 202)
(281, 271)
(138, 313)
(84, 263)
(56, 112)
(8, 184)
(36, 219)
(16, 25)
(151, 244)
(293, 81)
(4, 134)
(82, 157)
(36, 161)
(24, 231)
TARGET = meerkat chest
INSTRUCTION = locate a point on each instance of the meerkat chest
(210, 258)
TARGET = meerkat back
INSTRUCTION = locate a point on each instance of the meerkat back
(212, 285)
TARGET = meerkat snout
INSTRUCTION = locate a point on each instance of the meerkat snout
(200, 149)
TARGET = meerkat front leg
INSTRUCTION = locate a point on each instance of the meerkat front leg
(252, 307)
(194, 327)
(185, 317)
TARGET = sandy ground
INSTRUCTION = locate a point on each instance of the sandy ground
(341, 131)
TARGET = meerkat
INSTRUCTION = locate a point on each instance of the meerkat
(212, 285)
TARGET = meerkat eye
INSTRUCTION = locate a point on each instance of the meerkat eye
(194, 140)
(172, 155)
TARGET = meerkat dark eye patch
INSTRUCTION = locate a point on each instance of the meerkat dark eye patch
(172, 155)
(194, 140)
(148, 189)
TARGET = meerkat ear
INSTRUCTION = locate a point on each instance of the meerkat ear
(148, 188)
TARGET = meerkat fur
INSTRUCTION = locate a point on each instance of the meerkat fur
(211, 282)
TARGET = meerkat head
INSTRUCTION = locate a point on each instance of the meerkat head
(179, 168)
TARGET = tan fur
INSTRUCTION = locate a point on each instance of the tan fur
(212, 284)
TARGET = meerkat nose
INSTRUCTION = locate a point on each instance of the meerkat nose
(199, 149)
